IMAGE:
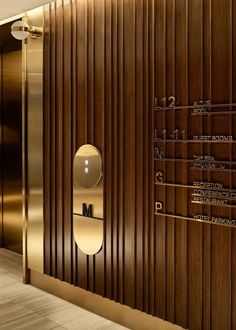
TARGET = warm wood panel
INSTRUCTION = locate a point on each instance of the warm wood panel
(105, 61)
(95, 92)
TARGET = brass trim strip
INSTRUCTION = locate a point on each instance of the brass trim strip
(24, 164)
(34, 145)
(192, 219)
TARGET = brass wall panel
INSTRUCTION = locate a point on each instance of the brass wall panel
(1, 106)
(12, 145)
(34, 145)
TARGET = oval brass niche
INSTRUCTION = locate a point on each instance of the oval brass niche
(88, 199)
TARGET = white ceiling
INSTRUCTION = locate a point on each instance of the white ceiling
(9, 8)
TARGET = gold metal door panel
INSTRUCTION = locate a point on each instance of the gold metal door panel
(12, 146)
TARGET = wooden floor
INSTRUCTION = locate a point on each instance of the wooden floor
(28, 308)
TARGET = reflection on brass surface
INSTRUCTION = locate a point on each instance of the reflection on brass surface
(88, 199)
(11, 102)
(34, 147)
(88, 230)
(88, 162)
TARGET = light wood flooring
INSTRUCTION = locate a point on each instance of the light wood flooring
(28, 308)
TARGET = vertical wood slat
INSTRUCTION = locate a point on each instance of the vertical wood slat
(100, 111)
(207, 89)
(67, 138)
(181, 227)
(129, 153)
(139, 228)
(74, 250)
(221, 237)
(170, 225)
(195, 230)
(146, 277)
(108, 153)
(149, 183)
(53, 141)
(59, 136)
(115, 147)
(81, 110)
(160, 93)
(120, 38)
(233, 246)
(91, 108)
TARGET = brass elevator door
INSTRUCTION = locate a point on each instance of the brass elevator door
(11, 145)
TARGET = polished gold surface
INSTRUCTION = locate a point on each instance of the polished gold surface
(0, 151)
(11, 149)
(88, 166)
(24, 168)
(88, 192)
(34, 145)
(88, 234)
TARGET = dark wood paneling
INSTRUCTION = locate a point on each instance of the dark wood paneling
(105, 60)
(95, 92)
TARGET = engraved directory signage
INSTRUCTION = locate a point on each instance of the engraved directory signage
(195, 161)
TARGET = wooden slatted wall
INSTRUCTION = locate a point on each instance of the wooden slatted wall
(99, 89)
(104, 61)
